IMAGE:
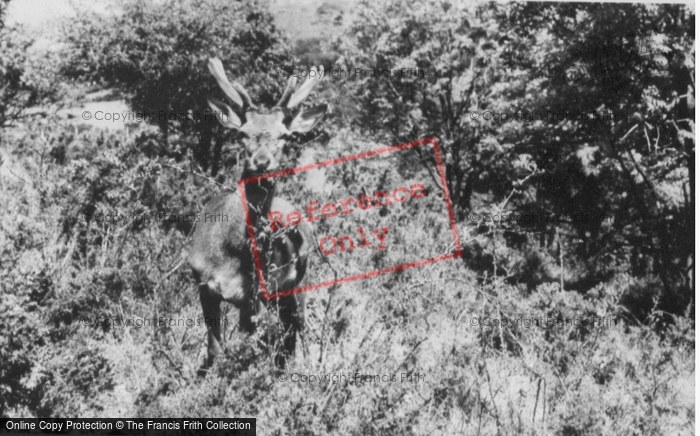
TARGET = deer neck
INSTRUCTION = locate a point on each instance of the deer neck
(259, 196)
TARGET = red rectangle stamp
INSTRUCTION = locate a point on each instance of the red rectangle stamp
(371, 232)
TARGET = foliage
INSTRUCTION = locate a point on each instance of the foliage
(79, 294)
(450, 63)
(156, 52)
(3, 8)
(67, 283)
(61, 290)
(479, 61)
(27, 77)
(636, 63)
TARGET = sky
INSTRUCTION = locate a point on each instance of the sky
(296, 17)
(41, 17)
(36, 12)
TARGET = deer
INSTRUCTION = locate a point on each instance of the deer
(221, 255)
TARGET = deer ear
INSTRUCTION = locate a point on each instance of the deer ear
(224, 114)
(307, 119)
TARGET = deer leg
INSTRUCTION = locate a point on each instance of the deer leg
(248, 308)
(245, 318)
(291, 317)
(211, 308)
(301, 317)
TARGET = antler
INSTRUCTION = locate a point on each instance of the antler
(290, 100)
(291, 83)
(234, 90)
(246, 98)
(231, 121)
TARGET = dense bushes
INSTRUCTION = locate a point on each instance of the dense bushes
(156, 54)
(27, 75)
(633, 63)
(63, 265)
(489, 338)
(59, 271)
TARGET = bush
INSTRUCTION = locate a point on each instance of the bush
(156, 54)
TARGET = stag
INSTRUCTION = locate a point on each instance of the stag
(221, 256)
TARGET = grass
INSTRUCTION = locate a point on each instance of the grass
(60, 276)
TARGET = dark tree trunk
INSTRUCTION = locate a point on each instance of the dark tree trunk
(201, 150)
(216, 156)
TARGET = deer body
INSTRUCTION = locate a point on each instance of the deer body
(221, 255)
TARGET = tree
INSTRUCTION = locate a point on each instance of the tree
(27, 77)
(598, 98)
(3, 10)
(635, 62)
(156, 52)
(450, 63)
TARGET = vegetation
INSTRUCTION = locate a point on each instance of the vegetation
(87, 304)
(626, 73)
(24, 80)
(155, 53)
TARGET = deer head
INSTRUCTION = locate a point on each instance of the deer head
(264, 132)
